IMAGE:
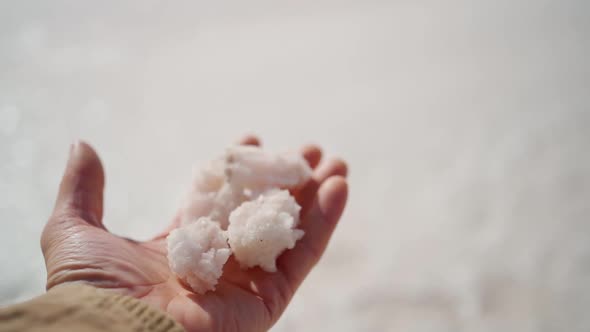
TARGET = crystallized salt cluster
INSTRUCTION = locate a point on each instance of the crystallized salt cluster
(197, 253)
(261, 229)
(239, 199)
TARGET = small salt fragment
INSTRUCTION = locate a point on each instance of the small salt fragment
(260, 230)
(197, 252)
(209, 178)
(226, 200)
(252, 168)
(215, 205)
(196, 205)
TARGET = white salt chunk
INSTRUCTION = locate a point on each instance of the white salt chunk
(226, 200)
(252, 168)
(215, 205)
(209, 178)
(196, 205)
(197, 252)
(260, 230)
(223, 184)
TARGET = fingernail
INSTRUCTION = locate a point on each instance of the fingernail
(73, 149)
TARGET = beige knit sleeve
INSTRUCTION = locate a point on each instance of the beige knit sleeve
(83, 308)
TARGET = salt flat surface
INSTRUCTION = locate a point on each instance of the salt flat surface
(465, 124)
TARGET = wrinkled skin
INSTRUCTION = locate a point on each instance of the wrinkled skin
(78, 248)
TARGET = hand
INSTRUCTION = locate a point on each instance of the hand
(78, 248)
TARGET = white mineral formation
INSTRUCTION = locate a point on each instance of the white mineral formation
(260, 230)
(197, 253)
(240, 192)
(242, 174)
(215, 205)
(210, 177)
(253, 168)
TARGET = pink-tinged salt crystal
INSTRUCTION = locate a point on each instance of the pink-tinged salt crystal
(197, 252)
(260, 230)
(215, 205)
(224, 183)
(252, 168)
(196, 205)
(210, 177)
(226, 200)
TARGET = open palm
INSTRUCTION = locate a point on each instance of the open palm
(78, 248)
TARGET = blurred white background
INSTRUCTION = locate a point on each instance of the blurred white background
(465, 124)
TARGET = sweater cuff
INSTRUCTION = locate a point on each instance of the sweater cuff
(79, 307)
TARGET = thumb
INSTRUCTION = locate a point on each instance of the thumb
(81, 189)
